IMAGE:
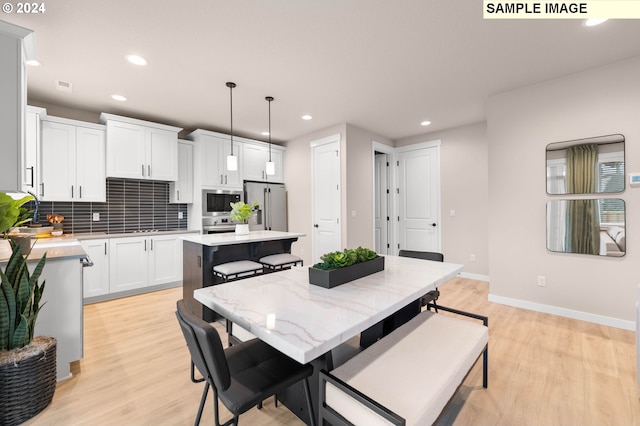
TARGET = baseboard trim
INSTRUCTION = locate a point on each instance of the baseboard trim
(563, 312)
(474, 276)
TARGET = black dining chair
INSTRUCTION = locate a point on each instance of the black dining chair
(243, 375)
(432, 296)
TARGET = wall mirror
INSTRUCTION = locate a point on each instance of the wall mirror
(587, 226)
(586, 166)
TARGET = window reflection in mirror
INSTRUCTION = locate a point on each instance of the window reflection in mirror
(586, 166)
(587, 226)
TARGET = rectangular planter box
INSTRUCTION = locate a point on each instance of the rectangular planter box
(336, 277)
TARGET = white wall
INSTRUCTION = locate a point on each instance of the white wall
(521, 123)
(465, 189)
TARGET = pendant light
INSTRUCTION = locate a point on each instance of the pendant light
(270, 169)
(232, 160)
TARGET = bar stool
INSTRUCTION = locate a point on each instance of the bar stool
(276, 262)
(237, 269)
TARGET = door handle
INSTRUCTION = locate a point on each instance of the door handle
(315, 225)
(433, 224)
(32, 182)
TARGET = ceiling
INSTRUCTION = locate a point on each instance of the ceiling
(381, 65)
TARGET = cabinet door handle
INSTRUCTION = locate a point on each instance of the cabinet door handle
(71, 191)
(149, 170)
(221, 181)
(42, 189)
(145, 245)
(142, 165)
(178, 196)
(225, 179)
(151, 244)
(80, 191)
(32, 182)
(105, 249)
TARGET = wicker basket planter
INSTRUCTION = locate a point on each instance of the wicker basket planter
(27, 380)
(335, 277)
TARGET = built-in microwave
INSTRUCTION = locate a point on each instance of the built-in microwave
(217, 202)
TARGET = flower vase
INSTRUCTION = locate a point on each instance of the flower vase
(242, 228)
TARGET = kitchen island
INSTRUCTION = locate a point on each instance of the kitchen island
(202, 252)
(61, 314)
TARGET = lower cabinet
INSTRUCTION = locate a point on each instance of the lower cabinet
(131, 263)
(137, 262)
(95, 280)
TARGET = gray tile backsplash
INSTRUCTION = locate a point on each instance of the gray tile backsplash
(132, 205)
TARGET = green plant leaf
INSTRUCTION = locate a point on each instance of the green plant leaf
(21, 336)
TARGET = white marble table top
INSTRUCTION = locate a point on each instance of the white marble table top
(229, 238)
(304, 321)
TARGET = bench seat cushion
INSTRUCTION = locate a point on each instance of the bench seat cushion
(413, 371)
(238, 267)
(280, 259)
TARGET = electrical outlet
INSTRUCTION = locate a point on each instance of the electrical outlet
(96, 217)
(472, 257)
(542, 281)
(180, 215)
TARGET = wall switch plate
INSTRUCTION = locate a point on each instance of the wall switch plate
(542, 281)
(472, 257)
(96, 217)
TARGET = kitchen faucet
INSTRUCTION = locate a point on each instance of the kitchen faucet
(37, 209)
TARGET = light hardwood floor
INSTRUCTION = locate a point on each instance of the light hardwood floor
(543, 370)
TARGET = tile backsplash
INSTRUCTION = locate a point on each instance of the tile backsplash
(132, 205)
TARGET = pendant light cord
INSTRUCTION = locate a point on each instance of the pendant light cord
(231, 85)
(269, 99)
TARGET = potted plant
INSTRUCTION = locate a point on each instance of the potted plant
(340, 267)
(240, 213)
(27, 364)
(13, 213)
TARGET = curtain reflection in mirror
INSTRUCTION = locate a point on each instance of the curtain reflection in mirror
(592, 226)
(582, 163)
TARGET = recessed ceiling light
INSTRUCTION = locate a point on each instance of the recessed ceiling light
(33, 62)
(425, 123)
(307, 117)
(137, 60)
(119, 98)
(594, 21)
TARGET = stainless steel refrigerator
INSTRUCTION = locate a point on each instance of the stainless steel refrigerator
(272, 210)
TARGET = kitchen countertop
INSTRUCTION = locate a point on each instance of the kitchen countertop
(230, 238)
(68, 246)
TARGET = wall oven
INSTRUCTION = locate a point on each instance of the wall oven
(216, 209)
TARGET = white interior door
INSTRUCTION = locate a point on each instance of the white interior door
(419, 199)
(326, 196)
(381, 202)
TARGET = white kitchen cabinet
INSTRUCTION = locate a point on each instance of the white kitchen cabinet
(95, 279)
(181, 191)
(31, 149)
(165, 259)
(73, 165)
(137, 262)
(254, 159)
(210, 156)
(139, 149)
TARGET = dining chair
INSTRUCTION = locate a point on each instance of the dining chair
(243, 375)
(432, 296)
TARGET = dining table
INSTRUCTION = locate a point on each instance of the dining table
(307, 322)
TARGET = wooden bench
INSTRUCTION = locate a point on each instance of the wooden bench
(407, 377)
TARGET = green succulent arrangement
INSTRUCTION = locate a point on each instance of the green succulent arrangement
(348, 257)
(241, 211)
(20, 293)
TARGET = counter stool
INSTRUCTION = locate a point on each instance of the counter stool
(237, 269)
(276, 262)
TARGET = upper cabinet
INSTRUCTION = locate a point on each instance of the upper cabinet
(139, 149)
(73, 161)
(254, 161)
(31, 149)
(211, 151)
(181, 191)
